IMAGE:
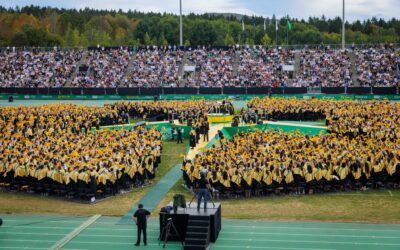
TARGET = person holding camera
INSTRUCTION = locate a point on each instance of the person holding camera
(140, 218)
(202, 192)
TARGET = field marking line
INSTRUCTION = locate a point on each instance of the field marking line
(59, 244)
(261, 240)
(19, 240)
(391, 195)
(322, 242)
(44, 234)
(74, 222)
(319, 228)
(225, 236)
(36, 248)
(317, 235)
(119, 243)
(266, 247)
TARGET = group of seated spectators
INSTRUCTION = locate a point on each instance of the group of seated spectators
(154, 68)
(263, 162)
(60, 149)
(187, 112)
(361, 150)
(377, 66)
(106, 69)
(260, 67)
(214, 68)
(37, 69)
(324, 67)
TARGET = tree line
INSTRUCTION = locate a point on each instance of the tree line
(45, 26)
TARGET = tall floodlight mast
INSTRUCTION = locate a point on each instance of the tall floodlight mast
(343, 28)
(180, 23)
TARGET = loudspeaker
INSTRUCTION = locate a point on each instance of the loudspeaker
(10, 98)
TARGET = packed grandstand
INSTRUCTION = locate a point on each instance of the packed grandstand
(152, 66)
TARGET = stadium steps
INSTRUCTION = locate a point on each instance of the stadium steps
(296, 63)
(236, 63)
(73, 76)
(128, 70)
(353, 68)
(181, 72)
(198, 233)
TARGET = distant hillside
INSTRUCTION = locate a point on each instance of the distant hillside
(40, 26)
(237, 16)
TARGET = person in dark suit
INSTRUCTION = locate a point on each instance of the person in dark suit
(206, 129)
(140, 218)
(180, 135)
(192, 139)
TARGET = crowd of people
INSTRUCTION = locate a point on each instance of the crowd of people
(361, 149)
(214, 68)
(375, 119)
(270, 161)
(151, 67)
(260, 67)
(60, 149)
(187, 112)
(377, 66)
(106, 69)
(154, 68)
(324, 67)
(37, 69)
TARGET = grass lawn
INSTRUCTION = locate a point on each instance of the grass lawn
(364, 207)
(114, 206)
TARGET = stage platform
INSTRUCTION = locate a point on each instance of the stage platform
(192, 224)
(219, 118)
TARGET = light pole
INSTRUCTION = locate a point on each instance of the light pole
(180, 23)
(343, 28)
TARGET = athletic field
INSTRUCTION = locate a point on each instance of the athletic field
(44, 232)
(22, 231)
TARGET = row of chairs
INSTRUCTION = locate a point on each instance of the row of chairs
(80, 191)
(299, 186)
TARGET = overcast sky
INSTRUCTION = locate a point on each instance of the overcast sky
(356, 9)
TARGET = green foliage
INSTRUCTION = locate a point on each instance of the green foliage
(163, 41)
(228, 40)
(266, 39)
(147, 39)
(37, 26)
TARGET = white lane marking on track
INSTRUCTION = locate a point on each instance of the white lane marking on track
(320, 228)
(316, 235)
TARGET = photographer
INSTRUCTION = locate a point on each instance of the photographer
(203, 185)
(140, 218)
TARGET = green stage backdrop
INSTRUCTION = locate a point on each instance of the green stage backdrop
(165, 127)
(229, 132)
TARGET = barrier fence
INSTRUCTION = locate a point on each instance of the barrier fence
(369, 93)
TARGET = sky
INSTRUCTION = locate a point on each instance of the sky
(355, 9)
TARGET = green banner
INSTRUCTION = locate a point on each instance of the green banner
(164, 127)
(229, 132)
(197, 97)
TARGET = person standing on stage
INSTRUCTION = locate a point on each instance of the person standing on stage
(203, 190)
(140, 218)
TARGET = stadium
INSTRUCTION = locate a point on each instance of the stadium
(184, 125)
